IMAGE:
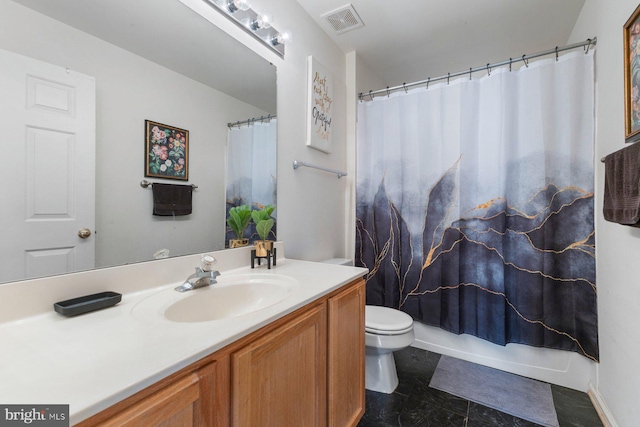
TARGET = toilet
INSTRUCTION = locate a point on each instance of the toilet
(386, 330)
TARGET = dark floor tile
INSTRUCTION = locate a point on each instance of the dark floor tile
(574, 408)
(439, 399)
(415, 404)
(484, 416)
(416, 362)
(412, 363)
(382, 410)
(405, 384)
(417, 413)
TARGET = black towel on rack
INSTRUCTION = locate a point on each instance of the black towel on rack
(171, 199)
(622, 186)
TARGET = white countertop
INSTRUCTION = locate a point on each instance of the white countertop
(94, 360)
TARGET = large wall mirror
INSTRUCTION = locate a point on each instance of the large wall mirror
(80, 79)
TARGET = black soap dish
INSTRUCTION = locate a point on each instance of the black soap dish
(87, 303)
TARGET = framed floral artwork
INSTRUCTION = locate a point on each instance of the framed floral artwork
(166, 151)
(632, 76)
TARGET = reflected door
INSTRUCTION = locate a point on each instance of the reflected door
(48, 169)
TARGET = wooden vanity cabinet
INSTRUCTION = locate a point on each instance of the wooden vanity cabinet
(345, 381)
(305, 369)
(280, 379)
(177, 404)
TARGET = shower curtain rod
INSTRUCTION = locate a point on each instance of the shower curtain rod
(255, 119)
(524, 58)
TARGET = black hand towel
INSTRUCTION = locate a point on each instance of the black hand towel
(622, 186)
(171, 199)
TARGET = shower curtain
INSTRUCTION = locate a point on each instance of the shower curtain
(251, 168)
(475, 204)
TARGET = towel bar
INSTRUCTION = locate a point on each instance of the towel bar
(297, 164)
(144, 184)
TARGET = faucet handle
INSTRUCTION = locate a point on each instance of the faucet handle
(206, 262)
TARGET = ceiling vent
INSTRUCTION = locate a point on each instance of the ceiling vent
(343, 19)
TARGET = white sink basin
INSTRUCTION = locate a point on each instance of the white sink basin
(232, 296)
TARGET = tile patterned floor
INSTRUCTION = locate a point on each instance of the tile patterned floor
(415, 404)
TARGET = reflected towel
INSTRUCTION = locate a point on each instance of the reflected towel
(622, 186)
(171, 199)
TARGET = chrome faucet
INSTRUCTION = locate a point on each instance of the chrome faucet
(204, 275)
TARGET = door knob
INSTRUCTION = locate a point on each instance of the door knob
(83, 233)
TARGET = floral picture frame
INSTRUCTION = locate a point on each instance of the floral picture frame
(166, 151)
(631, 34)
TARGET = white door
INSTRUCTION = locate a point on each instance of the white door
(47, 163)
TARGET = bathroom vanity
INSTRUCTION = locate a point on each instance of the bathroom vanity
(304, 369)
(297, 361)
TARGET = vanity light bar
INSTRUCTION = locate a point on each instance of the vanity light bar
(246, 19)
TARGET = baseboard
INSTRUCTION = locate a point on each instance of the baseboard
(601, 407)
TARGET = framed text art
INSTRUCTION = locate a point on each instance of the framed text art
(166, 151)
(632, 76)
(319, 106)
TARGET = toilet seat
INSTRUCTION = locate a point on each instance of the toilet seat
(386, 321)
(383, 332)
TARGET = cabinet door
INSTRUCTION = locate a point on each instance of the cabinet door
(280, 379)
(346, 356)
(174, 406)
(215, 384)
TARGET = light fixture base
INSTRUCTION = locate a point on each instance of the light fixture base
(263, 35)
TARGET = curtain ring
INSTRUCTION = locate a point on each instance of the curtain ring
(405, 87)
(448, 76)
(428, 79)
(371, 95)
(510, 60)
(588, 47)
(525, 61)
(488, 69)
(470, 69)
(556, 53)
(388, 93)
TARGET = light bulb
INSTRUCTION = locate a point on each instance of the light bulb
(263, 20)
(236, 5)
(281, 38)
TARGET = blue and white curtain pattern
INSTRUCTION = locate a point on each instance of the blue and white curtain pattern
(251, 169)
(475, 204)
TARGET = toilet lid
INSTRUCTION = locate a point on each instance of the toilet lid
(386, 320)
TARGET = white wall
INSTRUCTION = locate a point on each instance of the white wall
(130, 89)
(311, 203)
(617, 246)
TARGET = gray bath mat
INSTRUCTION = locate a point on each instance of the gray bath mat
(515, 395)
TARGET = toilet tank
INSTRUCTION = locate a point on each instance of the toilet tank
(338, 261)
